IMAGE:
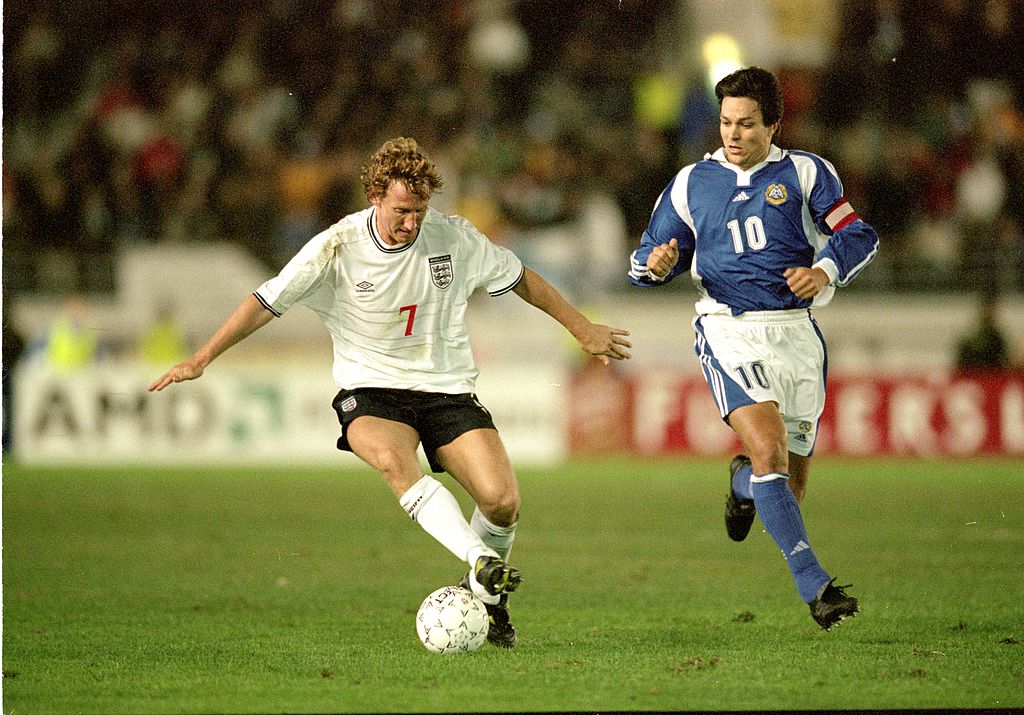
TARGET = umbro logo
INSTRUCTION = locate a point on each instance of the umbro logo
(800, 546)
(412, 508)
(364, 287)
(741, 196)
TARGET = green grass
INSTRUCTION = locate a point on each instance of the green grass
(186, 590)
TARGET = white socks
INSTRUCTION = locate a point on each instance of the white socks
(496, 537)
(499, 538)
(435, 509)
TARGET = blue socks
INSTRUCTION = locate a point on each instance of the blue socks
(780, 514)
(741, 482)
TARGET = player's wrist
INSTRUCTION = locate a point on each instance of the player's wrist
(200, 360)
(829, 268)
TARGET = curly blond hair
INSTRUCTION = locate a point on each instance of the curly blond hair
(400, 159)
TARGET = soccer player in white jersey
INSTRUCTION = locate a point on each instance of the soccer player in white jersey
(765, 234)
(391, 284)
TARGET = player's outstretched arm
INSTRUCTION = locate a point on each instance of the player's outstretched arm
(599, 340)
(248, 317)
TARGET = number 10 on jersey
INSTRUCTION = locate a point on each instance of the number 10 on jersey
(754, 228)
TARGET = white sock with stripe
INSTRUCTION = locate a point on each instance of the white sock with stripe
(435, 509)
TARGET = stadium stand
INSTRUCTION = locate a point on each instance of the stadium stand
(164, 125)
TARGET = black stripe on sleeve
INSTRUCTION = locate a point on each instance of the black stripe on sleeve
(503, 291)
(265, 304)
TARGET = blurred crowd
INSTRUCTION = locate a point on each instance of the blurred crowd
(922, 111)
(553, 124)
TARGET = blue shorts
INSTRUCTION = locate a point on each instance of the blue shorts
(437, 417)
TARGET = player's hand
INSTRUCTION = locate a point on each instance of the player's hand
(663, 259)
(603, 342)
(806, 282)
(187, 370)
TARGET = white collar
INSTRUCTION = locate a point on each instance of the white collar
(371, 226)
(774, 154)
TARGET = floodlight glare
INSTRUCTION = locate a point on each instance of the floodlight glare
(721, 55)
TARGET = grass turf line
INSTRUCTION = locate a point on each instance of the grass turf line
(185, 590)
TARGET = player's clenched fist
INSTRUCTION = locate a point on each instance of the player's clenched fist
(806, 282)
(663, 258)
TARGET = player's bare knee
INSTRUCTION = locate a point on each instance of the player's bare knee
(767, 454)
(395, 466)
(500, 506)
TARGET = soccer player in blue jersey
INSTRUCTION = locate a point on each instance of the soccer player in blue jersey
(766, 235)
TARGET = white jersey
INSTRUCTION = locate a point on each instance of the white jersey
(396, 314)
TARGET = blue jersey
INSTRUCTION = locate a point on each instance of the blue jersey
(738, 231)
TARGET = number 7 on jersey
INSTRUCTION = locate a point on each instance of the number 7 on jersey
(412, 317)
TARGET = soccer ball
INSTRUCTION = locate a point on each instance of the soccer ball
(452, 620)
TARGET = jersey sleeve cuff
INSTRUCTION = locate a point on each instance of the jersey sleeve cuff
(513, 284)
(265, 304)
(829, 266)
(640, 273)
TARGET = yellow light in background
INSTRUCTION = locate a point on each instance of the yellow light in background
(721, 55)
(658, 98)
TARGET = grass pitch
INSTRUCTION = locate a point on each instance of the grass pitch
(259, 590)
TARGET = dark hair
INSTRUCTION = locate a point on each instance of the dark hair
(757, 84)
(401, 160)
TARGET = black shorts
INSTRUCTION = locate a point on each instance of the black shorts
(437, 417)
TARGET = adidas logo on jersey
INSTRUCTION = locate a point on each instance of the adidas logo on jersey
(741, 196)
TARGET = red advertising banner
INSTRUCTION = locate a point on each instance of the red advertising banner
(964, 414)
(929, 415)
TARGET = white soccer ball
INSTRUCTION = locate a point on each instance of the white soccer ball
(452, 620)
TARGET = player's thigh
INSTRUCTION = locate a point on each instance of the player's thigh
(478, 461)
(735, 361)
(387, 446)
